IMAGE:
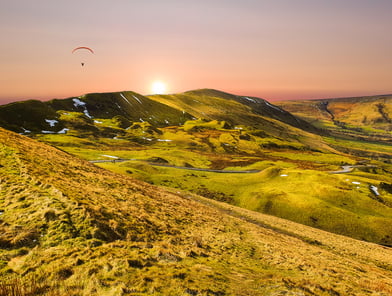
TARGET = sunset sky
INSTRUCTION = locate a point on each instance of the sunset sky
(275, 49)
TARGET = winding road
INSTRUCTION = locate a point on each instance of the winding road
(345, 168)
(349, 168)
(177, 167)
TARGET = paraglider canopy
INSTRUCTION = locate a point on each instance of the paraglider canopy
(83, 49)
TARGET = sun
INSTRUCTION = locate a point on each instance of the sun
(158, 88)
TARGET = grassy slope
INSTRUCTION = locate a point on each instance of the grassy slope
(371, 116)
(127, 105)
(236, 110)
(309, 194)
(248, 112)
(113, 112)
(81, 230)
(359, 126)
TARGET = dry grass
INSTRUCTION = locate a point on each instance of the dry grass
(100, 233)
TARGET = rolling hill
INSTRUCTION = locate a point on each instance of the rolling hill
(70, 227)
(357, 117)
(218, 135)
(108, 114)
(236, 110)
(79, 112)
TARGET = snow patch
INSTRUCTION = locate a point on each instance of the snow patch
(284, 175)
(52, 122)
(110, 156)
(47, 132)
(96, 121)
(125, 98)
(164, 140)
(118, 106)
(167, 121)
(25, 130)
(272, 106)
(78, 103)
(141, 120)
(374, 189)
(250, 99)
(63, 131)
(137, 99)
(87, 114)
(356, 183)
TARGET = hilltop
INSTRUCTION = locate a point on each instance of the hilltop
(91, 113)
(68, 226)
(237, 110)
(78, 112)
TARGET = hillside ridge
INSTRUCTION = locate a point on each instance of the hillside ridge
(48, 117)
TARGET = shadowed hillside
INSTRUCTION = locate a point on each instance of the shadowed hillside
(236, 110)
(55, 115)
(69, 227)
(110, 114)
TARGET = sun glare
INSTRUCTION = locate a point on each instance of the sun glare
(158, 88)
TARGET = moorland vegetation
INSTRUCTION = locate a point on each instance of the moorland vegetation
(142, 219)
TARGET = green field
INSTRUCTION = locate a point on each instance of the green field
(291, 183)
(185, 194)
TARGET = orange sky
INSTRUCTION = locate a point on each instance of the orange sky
(277, 49)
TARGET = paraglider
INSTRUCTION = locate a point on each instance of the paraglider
(83, 49)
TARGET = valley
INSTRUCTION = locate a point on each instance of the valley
(70, 227)
(187, 143)
(358, 118)
(196, 184)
